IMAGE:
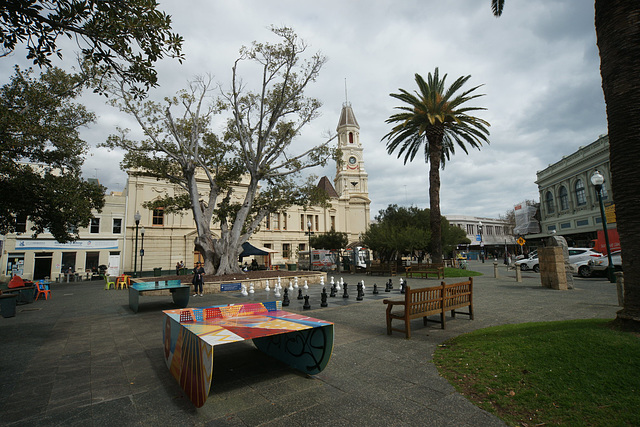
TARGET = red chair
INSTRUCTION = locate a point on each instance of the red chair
(41, 289)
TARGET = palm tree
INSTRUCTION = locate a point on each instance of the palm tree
(438, 119)
(618, 38)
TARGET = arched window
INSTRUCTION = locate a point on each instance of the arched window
(564, 199)
(350, 137)
(549, 201)
(581, 197)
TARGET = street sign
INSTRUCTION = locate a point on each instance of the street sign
(521, 241)
(478, 238)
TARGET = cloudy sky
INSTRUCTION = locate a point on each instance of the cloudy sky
(538, 63)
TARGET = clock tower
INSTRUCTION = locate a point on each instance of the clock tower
(351, 178)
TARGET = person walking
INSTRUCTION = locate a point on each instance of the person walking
(198, 279)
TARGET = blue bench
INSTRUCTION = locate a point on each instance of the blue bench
(179, 292)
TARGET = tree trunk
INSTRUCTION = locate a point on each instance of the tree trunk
(204, 245)
(229, 256)
(435, 152)
(618, 33)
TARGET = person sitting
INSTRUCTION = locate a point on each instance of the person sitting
(254, 265)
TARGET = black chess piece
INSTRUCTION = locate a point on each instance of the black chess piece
(333, 291)
(300, 293)
(402, 287)
(285, 299)
(323, 298)
(390, 284)
(375, 289)
(306, 305)
(345, 294)
(387, 288)
(360, 292)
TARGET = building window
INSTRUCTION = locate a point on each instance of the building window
(284, 220)
(302, 247)
(117, 225)
(303, 225)
(582, 222)
(333, 222)
(275, 221)
(565, 225)
(471, 229)
(286, 250)
(21, 224)
(267, 222)
(95, 225)
(581, 197)
(158, 216)
(551, 227)
(350, 137)
(317, 223)
(563, 195)
(549, 201)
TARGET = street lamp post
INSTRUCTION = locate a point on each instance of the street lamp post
(481, 242)
(597, 180)
(309, 228)
(136, 217)
(141, 249)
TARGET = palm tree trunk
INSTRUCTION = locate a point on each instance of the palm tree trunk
(618, 33)
(435, 152)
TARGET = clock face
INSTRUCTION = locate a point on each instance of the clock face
(352, 160)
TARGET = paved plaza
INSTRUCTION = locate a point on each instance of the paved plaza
(84, 358)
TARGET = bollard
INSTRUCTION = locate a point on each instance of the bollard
(518, 274)
(495, 269)
(620, 287)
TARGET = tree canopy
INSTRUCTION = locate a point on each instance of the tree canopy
(399, 231)
(251, 170)
(41, 155)
(331, 240)
(121, 37)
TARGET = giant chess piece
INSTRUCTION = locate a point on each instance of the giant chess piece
(390, 284)
(360, 292)
(252, 289)
(290, 286)
(333, 291)
(277, 294)
(375, 289)
(387, 288)
(266, 288)
(306, 305)
(296, 282)
(402, 285)
(305, 287)
(244, 291)
(285, 300)
(338, 284)
(300, 293)
(345, 294)
(323, 298)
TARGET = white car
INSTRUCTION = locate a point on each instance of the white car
(600, 264)
(576, 256)
(581, 268)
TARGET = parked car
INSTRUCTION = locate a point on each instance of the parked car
(576, 255)
(581, 268)
(600, 265)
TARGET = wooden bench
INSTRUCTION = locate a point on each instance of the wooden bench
(434, 300)
(382, 269)
(424, 270)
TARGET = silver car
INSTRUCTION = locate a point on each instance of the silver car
(576, 255)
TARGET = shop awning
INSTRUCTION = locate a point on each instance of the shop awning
(248, 249)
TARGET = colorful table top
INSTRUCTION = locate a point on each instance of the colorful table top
(157, 286)
(238, 322)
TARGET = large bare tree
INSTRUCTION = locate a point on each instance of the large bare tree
(252, 170)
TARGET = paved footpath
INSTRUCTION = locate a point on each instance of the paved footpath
(83, 358)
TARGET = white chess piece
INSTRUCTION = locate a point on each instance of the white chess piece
(266, 288)
(277, 294)
(296, 282)
(338, 284)
(290, 286)
(321, 280)
(305, 285)
(363, 286)
(244, 291)
(252, 289)
(332, 282)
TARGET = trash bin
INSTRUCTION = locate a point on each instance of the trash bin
(8, 305)
(157, 271)
(291, 267)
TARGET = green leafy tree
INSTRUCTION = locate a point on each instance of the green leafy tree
(435, 118)
(248, 173)
(332, 240)
(618, 39)
(400, 231)
(41, 154)
(121, 37)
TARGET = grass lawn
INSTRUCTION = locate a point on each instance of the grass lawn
(458, 272)
(575, 373)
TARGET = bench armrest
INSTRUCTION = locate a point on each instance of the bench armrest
(392, 302)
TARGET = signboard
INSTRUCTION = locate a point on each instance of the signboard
(478, 238)
(610, 212)
(521, 241)
(225, 287)
(38, 245)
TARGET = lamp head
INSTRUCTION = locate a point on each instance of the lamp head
(137, 217)
(597, 179)
(142, 231)
(309, 225)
